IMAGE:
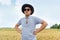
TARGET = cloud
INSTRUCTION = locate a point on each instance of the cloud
(1, 16)
(5, 2)
(10, 15)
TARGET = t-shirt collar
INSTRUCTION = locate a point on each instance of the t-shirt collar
(28, 16)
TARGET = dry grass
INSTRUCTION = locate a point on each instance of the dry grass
(47, 34)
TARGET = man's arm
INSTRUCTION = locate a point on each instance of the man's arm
(17, 29)
(43, 25)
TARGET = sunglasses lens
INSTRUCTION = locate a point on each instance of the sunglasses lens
(26, 9)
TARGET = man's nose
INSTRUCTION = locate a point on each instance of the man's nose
(26, 11)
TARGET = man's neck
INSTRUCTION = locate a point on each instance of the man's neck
(27, 16)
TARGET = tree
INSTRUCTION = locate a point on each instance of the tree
(55, 26)
(59, 26)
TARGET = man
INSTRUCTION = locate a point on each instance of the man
(28, 23)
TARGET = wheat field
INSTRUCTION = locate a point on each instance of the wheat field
(47, 34)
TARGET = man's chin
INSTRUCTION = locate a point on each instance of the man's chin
(27, 15)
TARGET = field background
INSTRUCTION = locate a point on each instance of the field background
(12, 34)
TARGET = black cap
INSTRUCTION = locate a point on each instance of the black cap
(28, 5)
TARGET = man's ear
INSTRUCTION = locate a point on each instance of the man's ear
(31, 12)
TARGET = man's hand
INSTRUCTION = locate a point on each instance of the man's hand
(36, 31)
(17, 29)
(20, 31)
(43, 25)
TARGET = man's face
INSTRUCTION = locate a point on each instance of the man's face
(27, 11)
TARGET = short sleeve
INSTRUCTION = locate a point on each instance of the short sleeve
(19, 22)
(37, 20)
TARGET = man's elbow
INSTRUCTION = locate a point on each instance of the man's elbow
(16, 26)
(45, 23)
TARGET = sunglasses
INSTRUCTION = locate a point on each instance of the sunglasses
(26, 9)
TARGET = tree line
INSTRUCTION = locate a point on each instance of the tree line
(55, 26)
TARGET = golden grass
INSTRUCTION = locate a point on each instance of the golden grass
(47, 34)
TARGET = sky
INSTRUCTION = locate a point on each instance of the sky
(10, 11)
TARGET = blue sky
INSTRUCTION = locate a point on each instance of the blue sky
(10, 11)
